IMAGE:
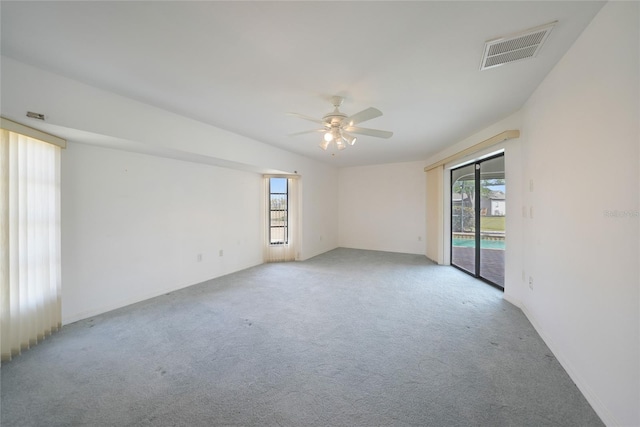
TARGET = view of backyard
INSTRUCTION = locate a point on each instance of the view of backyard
(492, 223)
(479, 197)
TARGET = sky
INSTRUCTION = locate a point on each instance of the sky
(278, 185)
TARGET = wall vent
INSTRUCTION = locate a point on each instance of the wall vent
(515, 47)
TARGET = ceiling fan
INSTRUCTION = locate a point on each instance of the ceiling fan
(338, 128)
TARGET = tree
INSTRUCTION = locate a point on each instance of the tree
(463, 215)
(467, 190)
(463, 219)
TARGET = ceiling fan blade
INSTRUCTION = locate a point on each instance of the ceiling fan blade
(307, 131)
(311, 119)
(368, 114)
(371, 132)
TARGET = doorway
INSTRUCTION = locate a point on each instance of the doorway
(478, 217)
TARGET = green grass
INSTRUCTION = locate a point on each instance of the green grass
(492, 223)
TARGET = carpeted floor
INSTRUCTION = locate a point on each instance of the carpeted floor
(348, 338)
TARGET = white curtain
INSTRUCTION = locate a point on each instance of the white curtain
(289, 250)
(30, 242)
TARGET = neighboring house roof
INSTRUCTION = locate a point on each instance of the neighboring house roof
(496, 195)
(456, 197)
(493, 195)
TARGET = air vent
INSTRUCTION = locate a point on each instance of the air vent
(515, 47)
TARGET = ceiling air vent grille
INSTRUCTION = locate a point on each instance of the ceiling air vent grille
(516, 47)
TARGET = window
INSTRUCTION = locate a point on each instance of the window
(30, 280)
(281, 236)
(278, 211)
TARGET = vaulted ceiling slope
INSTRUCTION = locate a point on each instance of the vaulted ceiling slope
(241, 66)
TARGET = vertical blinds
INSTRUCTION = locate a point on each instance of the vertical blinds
(30, 278)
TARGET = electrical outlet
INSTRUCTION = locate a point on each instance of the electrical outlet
(221, 253)
(530, 282)
(419, 238)
(199, 257)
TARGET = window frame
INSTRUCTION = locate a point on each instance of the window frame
(285, 227)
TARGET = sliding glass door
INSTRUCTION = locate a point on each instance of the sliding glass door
(478, 213)
(463, 218)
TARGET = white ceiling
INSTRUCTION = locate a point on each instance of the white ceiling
(242, 65)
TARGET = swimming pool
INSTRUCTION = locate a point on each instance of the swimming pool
(484, 244)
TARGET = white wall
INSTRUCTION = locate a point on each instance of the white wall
(73, 105)
(134, 126)
(133, 223)
(133, 226)
(382, 207)
(580, 148)
(319, 214)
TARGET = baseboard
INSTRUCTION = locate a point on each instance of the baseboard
(139, 298)
(120, 304)
(598, 406)
(513, 301)
(304, 257)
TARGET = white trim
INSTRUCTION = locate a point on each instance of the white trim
(143, 296)
(281, 175)
(476, 159)
(474, 149)
(16, 127)
(598, 406)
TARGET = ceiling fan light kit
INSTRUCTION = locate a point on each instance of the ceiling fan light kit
(350, 139)
(338, 127)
